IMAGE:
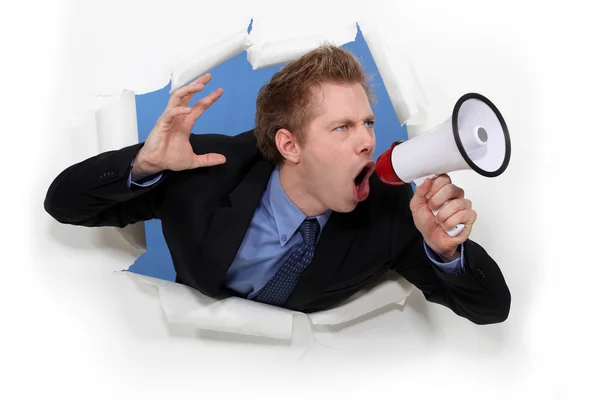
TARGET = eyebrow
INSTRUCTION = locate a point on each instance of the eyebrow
(348, 121)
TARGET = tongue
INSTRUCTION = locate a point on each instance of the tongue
(362, 190)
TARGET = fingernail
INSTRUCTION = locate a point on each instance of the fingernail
(428, 196)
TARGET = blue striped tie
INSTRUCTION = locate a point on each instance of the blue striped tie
(279, 288)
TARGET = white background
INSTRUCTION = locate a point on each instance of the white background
(73, 328)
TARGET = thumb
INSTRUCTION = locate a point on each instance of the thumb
(208, 160)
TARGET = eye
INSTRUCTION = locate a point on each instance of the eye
(370, 123)
(341, 128)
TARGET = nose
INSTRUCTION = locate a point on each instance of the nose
(366, 141)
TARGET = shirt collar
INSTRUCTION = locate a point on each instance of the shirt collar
(288, 216)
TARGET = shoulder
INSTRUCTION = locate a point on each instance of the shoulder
(239, 150)
(241, 144)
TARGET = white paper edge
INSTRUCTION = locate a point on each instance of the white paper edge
(208, 58)
(186, 306)
(400, 80)
(391, 291)
(283, 51)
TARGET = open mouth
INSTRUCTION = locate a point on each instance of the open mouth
(361, 176)
(361, 181)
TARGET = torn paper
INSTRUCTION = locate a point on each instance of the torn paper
(283, 51)
(378, 296)
(116, 122)
(399, 78)
(439, 109)
(116, 127)
(184, 305)
(419, 109)
(208, 58)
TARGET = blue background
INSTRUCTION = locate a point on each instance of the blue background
(233, 113)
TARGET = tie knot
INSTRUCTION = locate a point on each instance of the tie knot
(310, 230)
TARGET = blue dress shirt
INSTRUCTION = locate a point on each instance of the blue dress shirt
(273, 235)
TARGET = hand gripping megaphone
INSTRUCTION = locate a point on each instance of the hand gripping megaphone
(474, 137)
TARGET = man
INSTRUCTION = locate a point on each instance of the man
(289, 213)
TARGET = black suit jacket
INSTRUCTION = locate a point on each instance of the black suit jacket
(205, 213)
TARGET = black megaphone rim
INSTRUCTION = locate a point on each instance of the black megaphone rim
(457, 106)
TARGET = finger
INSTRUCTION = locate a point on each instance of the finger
(171, 114)
(185, 101)
(418, 198)
(423, 188)
(466, 217)
(451, 208)
(204, 79)
(438, 182)
(202, 104)
(209, 160)
(182, 96)
(445, 194)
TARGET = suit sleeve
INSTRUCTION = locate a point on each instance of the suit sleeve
(95, 192)
(479, 293)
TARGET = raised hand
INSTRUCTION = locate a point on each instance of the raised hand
(168, 144)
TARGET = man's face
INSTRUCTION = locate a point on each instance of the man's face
(336, 159)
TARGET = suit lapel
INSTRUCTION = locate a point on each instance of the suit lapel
(330, 252)
(229, 226)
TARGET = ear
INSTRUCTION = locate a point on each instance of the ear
(288, 146)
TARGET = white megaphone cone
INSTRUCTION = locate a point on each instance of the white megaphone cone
(475, 137)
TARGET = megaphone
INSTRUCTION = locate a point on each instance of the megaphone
(474, 137)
